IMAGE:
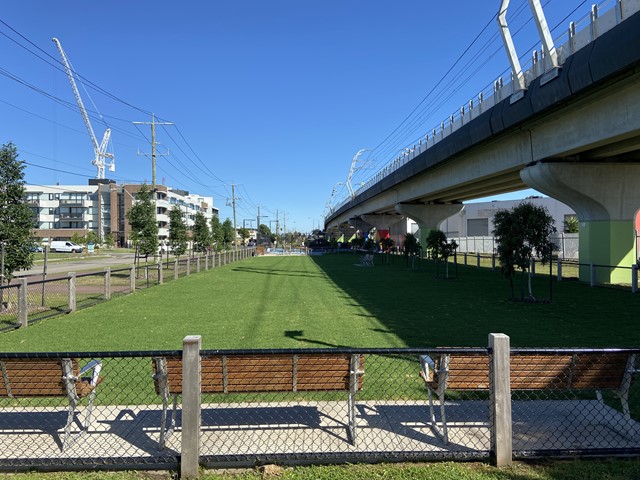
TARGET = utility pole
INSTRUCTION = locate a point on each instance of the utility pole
(258, 227)
(277, 227)
(284, 228)
(153, 124)
(233, 204)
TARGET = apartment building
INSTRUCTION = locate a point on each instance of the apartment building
(64, 210)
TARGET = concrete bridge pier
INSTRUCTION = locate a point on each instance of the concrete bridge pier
(360, 225)
(605, 197)
(343, 232)
(428, 216)
(382, 221)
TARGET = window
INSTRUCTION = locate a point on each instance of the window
(477, 227)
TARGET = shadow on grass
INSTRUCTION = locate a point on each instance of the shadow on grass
(424, 311)
(275, 271)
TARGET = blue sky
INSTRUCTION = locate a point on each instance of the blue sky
(275, 97)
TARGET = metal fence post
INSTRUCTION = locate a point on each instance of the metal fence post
(592, 275)
(493, 261)
(500, 399)
(160, 272)
(559, 270)
(132, 280)
(188, 266)
(23, 305)
(72, 291)
(478, 259)
(107, 283)
(465, 258)
(634, 278)
(190, 453)
(175, 269)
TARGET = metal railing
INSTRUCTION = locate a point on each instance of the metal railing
(602, 18)
(25, 302)
(408, 404)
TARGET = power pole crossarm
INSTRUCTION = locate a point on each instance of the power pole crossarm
(153, 124)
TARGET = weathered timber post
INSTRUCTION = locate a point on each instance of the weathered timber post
(191, 374)
(72, 291)
(23, 305)
(132, 280)
(107, 283)
(500, 399)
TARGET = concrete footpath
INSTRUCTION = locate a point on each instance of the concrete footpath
(244, 431)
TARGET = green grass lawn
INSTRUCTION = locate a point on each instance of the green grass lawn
(328, 301)
(557, 470)
(292, 302)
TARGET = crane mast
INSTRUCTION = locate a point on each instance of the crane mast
(99, 149)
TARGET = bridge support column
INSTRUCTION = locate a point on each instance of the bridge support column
(382, 221)
(606, 197)
(360, 225)
(428, 216)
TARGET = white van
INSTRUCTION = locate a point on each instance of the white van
(65, 246)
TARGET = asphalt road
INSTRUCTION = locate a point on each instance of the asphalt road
(82, 264)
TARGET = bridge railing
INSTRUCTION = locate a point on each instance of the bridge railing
(603, 17)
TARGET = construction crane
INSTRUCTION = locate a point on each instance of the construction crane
(99, 149)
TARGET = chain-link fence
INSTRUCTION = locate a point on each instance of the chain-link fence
(26, 301)
(125, 409)
(574, 402)
(8, 307)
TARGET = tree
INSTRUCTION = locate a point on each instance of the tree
(78, 239)
(142, 218)
(387, 244)
(17, 221)
(411, 248)
(178, 237)
(228, 235)
(216, 232)
(244, 234)
(109, 240)
(264, 233)
(91, 237)
(438, 249)
(571, 224)
(522, 233)
(201, 233)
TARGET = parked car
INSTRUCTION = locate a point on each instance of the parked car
(36, 248)
(65, 246)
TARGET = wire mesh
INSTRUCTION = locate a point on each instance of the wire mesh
(47, 298)
(574, 401)
(70, 410)
(334, 405)
(115, 409)
(8, 307)
(121, 281)
(90, 289)
(146, 276)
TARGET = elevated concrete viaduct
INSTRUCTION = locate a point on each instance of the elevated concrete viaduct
(573, 134)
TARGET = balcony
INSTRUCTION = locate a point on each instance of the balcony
(71, 217)
(32, 202)
(72, 202)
